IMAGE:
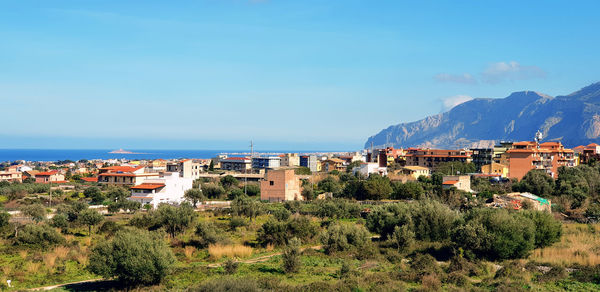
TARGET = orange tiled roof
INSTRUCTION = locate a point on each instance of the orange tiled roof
(148, 186)
(122, 168)
(89, 179)
(450, 182)
(47, 173)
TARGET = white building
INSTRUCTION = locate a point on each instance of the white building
(168, 188)
(366, 169)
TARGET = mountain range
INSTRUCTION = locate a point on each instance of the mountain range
(573, 119)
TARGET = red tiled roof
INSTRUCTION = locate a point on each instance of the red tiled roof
(89, 179)
(593, 145)
(450, 182)
(47, 173)
(122, 168)
(148, 186)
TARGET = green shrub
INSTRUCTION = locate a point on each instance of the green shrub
(343, 237)
(403, 238)
(42, 236)
(547, 229)
(134, 257)
(236, 222)
(281, 214)
(291, 256)
(496, 234)
(208, 233)
(230, 266)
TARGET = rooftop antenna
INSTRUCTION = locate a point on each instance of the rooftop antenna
(538, 137)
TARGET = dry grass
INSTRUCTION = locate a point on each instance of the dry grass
(189, 251)
(33, 268)
(61, 252)
(218, 251)
(580, 244)
(87, 241)
(82, 259)
(270, 247)
(50, 260)
(23, 254)
(6, 270)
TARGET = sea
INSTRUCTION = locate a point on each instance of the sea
(90, 154)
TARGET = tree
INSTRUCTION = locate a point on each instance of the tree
(377, 187)
(291, 256)
(95, 194)
(537, 182)
(455, 167)
(432, 220)
(496, 234)
(547, 229)
(229, 181)
(252, 190)
(213, 191)
(383, 219)
(211, 166)
(40, 235)
(246, 206)
(343, 237)
(175, 219)
(134, 257)
(403, 237)
(36, 212)
(308, 193)
(352, 165)
(195, 196)
(208, 233)
(90, 218)
(118, 193)
(408, 190)
(330, 185)
(60, 221)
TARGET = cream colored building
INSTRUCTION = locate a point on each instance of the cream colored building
(416, 171)
(460, 182)
(290, 159)
(495, 168)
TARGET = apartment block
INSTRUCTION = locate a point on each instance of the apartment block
(547, 156)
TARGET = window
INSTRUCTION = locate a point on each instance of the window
(271, 182)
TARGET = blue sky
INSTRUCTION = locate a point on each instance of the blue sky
(311, 75)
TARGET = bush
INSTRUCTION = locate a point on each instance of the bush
(236, 222)
(175, 219)
(134, 257)
(90, 218)
(433, 220)
(42, 236)
(338, 209)
(496, 234)
(422, 265)
(109, 228)
(246, 206)
(547, 229)
(343, 237)
(95, 194)
(281, 214)
(383, 219)
(208, 233)
(272, 232)
(230, 266)
(36, 212)
(60, 221)
(291, 256)
(213, 191)
(403, 238)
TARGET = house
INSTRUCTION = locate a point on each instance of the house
(124, 175)
(431, 158)
(547, 156)
(416, 171)
(169, 188)
(13, 176)
(332, 164)
(460, 182)
(290, 159)
(30, 174)
(495, 168)
(271, 162)
(186, 168)
(280, 185)
(240, 164)
(52, 176)
(368, 168)
(587, 154)
(517, 201)
(19, 168)
(311, 162)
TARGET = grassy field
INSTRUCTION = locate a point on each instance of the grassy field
(580, 244)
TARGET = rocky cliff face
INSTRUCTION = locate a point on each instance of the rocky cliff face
(573, 119)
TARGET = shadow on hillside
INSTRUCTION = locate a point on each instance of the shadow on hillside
(95, 286)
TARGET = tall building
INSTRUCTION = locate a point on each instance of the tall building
(311, 162)
(482, 156)
(236, 163)
(431, 158)
(547, 156)
(271, 162)
(290, 159)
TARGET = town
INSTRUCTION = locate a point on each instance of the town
(88, 200)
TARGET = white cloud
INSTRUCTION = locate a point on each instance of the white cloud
(510, 71)
(464, 78)
(449, 102)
